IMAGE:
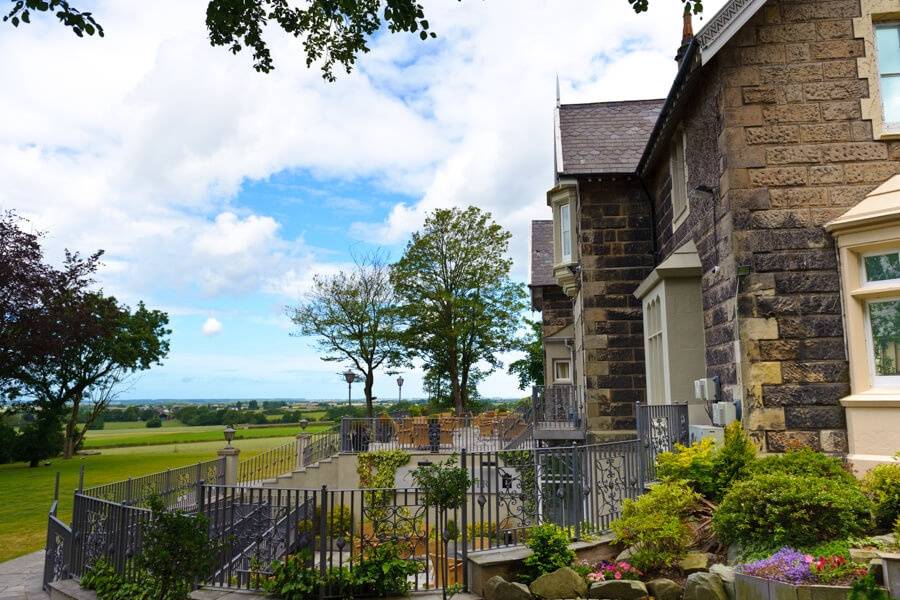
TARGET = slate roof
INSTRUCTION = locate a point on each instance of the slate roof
(542, 253)
(604, 137)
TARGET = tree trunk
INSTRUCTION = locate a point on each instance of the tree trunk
(464, 384)
(71, 424)
(370, 379)
(453, 372)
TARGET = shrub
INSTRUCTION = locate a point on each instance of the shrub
(774, 510)
(103, 578)
(655, 525)
(383, 571)
(692, 464)
(865, 588)
(882, 486)
(803, 462)
(153, 422)
(549, 545)
(708, 468)
(293, 579)
(176, 550)
(8, 437)
(39, 440)
(340, 522)
(733, 460)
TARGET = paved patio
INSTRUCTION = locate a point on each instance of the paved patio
(20, 578)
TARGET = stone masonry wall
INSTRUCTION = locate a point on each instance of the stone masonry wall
(556, 310)
(796, 154)
(614, 228)
(708, 225)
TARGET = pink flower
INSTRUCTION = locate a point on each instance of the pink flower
(808, 558)
(618, 575)
(624, 565)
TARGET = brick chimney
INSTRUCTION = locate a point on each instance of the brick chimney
(687, 33)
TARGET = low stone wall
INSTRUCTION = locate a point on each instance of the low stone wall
(507, 562)
(747, 587)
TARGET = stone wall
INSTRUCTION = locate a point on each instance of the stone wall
(796, 154)
(614, 232)
(556, 310)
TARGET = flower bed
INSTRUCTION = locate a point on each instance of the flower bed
(789, 575)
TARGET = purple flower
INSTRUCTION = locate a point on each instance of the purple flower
(786, 565)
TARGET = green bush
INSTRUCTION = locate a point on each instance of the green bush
(656, 525)
(804, 463)
(709, 469)
(293, 579)
(865, 588)
(153, 422)
(340, 522)
(775, 510)
(549, 545)
(692, 464)
(103, 578)
(383, 571)
(882, 486)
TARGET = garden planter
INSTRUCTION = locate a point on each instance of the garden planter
(890, 562)
(747, 587)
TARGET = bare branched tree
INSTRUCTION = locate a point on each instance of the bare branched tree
(353, 318)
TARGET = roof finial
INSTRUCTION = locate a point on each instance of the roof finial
(687, 32)
(557, 90)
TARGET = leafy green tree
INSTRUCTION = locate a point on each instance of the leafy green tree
(530, 369)
(456, 295)
(332, 33)
(93, 346)
(39, 439)
(352, 316)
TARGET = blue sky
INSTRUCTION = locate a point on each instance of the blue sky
(218, 192)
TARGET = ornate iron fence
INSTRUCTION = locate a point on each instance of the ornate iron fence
(58, 551)
(558, 407)
(176, 487)
(659, 428)
(481, 433)
(269, 464)
(108, 530)
(320, 446)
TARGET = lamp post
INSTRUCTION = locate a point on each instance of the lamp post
(400, 388)
(229, 435)
(349, 377)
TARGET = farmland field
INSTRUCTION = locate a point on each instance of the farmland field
(26, 494)
(180, 434)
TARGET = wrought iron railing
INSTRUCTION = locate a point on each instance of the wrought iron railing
(176, 487)
(108, 530)
(486, 432)
(320, 446)
(659, 428)
(559, 407)
(269, 464)
(58, 550)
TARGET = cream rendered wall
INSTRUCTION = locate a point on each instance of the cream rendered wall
(686, 343)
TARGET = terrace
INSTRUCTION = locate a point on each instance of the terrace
(274, 504)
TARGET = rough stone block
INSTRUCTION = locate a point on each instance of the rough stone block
(782, 155)
(819, 10)
(814, 417)
(764, 94)
(798, 197)
(839, 69)
(559, 585)
(840, 111)
(775, 134)
(664, 589)
(704, 586)
(763, 55)
(787, 33)
(834, 29)
(837, 49)
(856, 151)
(821, 174)
(778, 176)
(790, 113)
(618, 589)
(766, 419)
(833, 441)
(833, 90)
(795, 73)
(871, 172)
(815, 372)
(825, 132)
(782, 441)
(820, 394)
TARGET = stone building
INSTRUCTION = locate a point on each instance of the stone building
(745, 229)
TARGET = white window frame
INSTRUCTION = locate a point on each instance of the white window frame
(656, 348)
(864, 276)
(565, 231)
(556, 363)
(889, 126)
(678, 175)
(878, 381)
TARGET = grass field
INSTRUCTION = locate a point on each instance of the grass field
(26, 494)
(137, 424)
(180, 434)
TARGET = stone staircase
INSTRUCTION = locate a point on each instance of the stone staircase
(327, 471)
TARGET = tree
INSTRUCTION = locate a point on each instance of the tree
(332, 33)
(530, 369)
(456, 295)
(92, 345)
(353, 317)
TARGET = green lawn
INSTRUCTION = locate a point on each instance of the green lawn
(26, 494)
(142, 436)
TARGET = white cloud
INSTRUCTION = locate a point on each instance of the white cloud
(211, 326)
(157, 131)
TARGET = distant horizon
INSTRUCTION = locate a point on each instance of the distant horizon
(290, 400)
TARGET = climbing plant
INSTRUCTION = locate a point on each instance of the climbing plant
(378, 469)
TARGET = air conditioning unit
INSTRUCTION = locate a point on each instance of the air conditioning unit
(723, 413)
(698, 432)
